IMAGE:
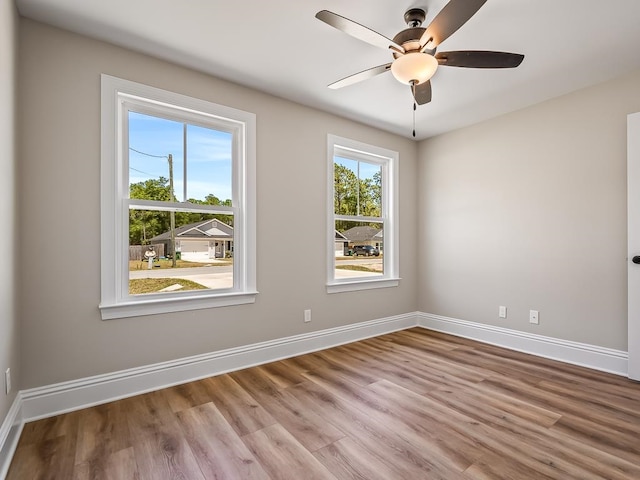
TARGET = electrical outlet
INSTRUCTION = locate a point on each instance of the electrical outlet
(534, 317)
(307, 316)
(7, 381)
(502, 311)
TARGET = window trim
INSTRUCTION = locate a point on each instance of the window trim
(388, 159)
(115, 92)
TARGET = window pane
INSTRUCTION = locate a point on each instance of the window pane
(345, 190)
(155, 148)
(357, 188)
(209, 161)
(203, 252)
(358, 249)
(370, 189)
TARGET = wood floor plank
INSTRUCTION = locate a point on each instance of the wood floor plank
(283, 457)
(348, 459)
(384, 421)
(406, 459)
(498, 442)
(579, 418)
(243, 412)
(497, 467)
(413, 404)
(376, 368)
(185, 396)
(160, 448)
(600, 398)
(304, 423)
(563, 451)
(50, 428)
(105, 431)
(484, 406)
(219, 451)
(166, 454)
(346, 369)
(282, 375)
(255, 382)
(300, 419)
(606, 438)
(47, 460)
(118, 465)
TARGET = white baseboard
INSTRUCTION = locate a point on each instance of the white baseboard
(64, 397)
(10, 431)
(591, 356)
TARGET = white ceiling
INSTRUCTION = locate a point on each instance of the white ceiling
(279, 47)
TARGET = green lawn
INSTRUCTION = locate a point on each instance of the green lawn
(359, 268)
(151, 285)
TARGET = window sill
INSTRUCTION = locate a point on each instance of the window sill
(170, 305)
(356, 285)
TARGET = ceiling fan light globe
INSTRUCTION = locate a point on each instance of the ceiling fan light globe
(414, 67)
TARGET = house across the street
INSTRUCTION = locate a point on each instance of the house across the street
(200, 241)
(363, 235)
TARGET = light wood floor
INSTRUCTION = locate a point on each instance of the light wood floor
(409, 405)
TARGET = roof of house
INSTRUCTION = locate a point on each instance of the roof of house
(199, 231)
(363, 234)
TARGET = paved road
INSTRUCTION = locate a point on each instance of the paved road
(222, 276)
(179, 272)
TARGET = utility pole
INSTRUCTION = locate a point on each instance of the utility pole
(172, 214)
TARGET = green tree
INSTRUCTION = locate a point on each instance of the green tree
(152, 189)
(371, 196)
(145, 224)
(345, 190)
(185, 218)
(354, 196)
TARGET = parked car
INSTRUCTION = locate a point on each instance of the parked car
(366, 250)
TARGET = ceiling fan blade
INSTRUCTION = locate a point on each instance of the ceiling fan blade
(454, 14)
(422, 92)
(358, 31)
(360, 76)
(479, 59)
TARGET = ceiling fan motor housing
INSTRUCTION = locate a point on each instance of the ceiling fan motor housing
(414, 17)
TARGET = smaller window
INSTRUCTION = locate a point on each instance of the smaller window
(362, 216)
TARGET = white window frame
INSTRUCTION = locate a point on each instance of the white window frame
(388, 161)
(117, 95)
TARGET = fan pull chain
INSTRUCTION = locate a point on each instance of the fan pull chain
(414, 119)
(413, 91)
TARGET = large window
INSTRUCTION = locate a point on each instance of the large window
(362, 204)
(178, 183)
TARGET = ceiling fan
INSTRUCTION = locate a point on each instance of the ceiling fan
(414, 49)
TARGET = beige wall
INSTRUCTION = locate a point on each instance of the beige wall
(64, 337)
(9, 338)
(528, 210)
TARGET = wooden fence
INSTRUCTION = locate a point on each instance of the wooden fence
(136, 252)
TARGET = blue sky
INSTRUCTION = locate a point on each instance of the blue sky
(367, 170)
(208, 156)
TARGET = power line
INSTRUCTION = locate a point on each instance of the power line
(140, 171)
(147, 154)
